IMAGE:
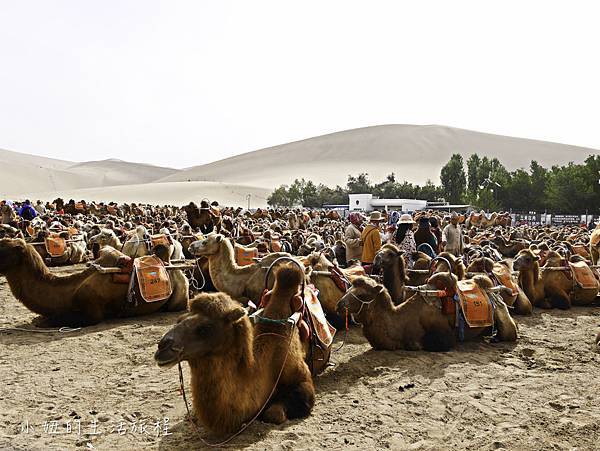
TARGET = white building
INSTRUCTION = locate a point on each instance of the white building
(366, 202)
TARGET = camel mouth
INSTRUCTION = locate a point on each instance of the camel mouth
(167, 358)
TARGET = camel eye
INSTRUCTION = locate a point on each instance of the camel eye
(203, 330)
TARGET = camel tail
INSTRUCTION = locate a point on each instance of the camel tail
(438, 341)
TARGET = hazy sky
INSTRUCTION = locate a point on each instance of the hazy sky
(181, 83)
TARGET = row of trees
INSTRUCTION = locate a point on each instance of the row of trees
(481, 181)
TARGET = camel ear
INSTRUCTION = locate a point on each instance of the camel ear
(235, 315)
(219, 238)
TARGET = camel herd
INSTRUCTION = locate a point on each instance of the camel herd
(254, 287)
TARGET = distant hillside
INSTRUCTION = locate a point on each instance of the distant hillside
(414, 152)
(24, 173)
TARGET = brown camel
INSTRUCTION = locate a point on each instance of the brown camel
(80, 299)
(517, 299)
(595, 245)
(419, 323)
(225, 354)
(389, 262)
(550, 288)
(239, 282)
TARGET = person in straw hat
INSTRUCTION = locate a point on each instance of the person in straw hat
(405, 239)
(371, 238)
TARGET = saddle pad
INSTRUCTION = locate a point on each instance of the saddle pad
(79, 206)
(73, 231)
(55, 246)
(111, 210)
(339, 279)
(245, 257)
(30, 230)
(475, 305)
(160, 239)
(504, 276)
(583, 276)
(580, 249)
(153, 278)
(323, 330)
(275, 246)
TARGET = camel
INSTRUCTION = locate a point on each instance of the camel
(75, 249)
(242, 283)
(519, 302)
(419, 323)
(389, 262)
(225, 353)
(508, 249)
(106, 237)
(595, 245)
(204, 218)
(79, 299)
(137, 243)
(550, 288)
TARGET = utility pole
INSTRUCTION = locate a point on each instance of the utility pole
(248, 197)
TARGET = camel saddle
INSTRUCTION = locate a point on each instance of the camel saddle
(583, 276)
(245, 256)
(322, 332)
(504, 277)
(111, 210)
(152, 279)
(580, 249)
(275, 246)
(72, 231)
(160, 238)
(125, 264)
(30, 230)
(56, 246)
(79, 206)
(475, 305)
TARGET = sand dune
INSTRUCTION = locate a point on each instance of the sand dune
(23, 173)
(170, 193)
(414, 152)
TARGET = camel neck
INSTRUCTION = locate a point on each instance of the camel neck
(529, 282)
(372, 313)
(222, 396)
(393, 280)
(41, 291)
(224, 271)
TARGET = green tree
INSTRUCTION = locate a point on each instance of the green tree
(453, 179)
(360, 184)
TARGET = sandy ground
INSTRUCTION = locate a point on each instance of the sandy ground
(541, 393)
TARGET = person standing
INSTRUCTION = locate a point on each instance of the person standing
(27, 211)
(40, 208)
(371, 239)
(435, 229)
(404, 238)
(352, 239)
(452, 237)
(424, 235)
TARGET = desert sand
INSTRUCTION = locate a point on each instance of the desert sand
(540, 393)
(414, 152)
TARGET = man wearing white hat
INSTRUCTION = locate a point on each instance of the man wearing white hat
(452, 236)
(371, 238)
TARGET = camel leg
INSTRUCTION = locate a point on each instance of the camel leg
(289, 402)
(559, 298)
(522, 304)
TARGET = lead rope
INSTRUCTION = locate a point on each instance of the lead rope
(41, 331)
(345, 333)
(245, 425)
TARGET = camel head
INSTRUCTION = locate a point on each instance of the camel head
(210, 245)
(215, 325)
(12, 252)
(363, 291)
(388, 257)
(526, 260)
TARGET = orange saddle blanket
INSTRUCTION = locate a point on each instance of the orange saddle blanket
(245, 256)
(583, 276)
(56, 246)
(153, 279)
(475, 305)
(160, 239)
(504, 276)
